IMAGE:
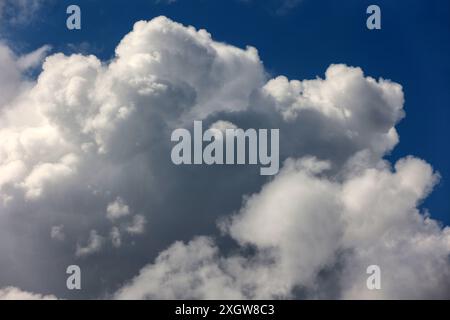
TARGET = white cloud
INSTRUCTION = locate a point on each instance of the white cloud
(137, 225)
(33, 59)
(12, 80)
(134, 225)
(117, 209)
(43, 174)
(94, 244)
(300, 223)
(87, 131)
(12, 293)
(194, 273)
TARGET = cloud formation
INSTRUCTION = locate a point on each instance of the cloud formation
(12, 293)
(302, 223)
(85, 155)
(12, 80)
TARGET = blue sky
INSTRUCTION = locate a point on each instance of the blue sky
(412, 49)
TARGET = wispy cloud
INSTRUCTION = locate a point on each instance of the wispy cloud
(19, 11)
(279, 7)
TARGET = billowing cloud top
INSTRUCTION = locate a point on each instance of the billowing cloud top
(86, 176)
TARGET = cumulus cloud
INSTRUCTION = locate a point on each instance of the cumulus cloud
(117, 209)
(134, 224)
(195, 273)
(87, 146)
(301, 223)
